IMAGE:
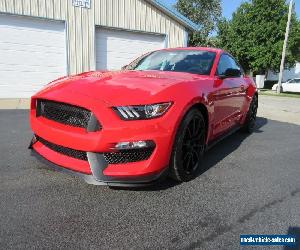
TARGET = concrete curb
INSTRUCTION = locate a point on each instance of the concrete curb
(15, 103)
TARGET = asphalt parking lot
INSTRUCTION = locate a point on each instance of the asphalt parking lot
(251, 186)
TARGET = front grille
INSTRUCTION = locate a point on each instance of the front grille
(66, 114)
(126, 156)
(81, 155)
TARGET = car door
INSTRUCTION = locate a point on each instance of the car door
(229, 95)
(288, 86)
(293, 86)
(297, 86)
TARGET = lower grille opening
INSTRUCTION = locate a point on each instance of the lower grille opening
(126, 156)
(81, 155)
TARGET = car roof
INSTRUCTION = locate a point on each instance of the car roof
(197, 48)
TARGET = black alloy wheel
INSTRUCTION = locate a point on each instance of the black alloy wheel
(189, 147)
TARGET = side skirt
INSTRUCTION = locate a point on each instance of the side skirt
(222, 137)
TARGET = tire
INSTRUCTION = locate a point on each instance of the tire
(189, 146)
(250, 122)
(281, 89)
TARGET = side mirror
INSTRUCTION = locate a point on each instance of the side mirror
(231, 73)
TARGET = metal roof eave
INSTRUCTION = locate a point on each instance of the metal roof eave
(176, 15)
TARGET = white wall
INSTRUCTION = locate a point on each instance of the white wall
(137, 15)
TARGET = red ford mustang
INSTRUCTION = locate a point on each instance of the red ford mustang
(156, 117)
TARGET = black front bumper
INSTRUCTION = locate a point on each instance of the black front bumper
(97, 164)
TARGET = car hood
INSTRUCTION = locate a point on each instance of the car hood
(117, 87)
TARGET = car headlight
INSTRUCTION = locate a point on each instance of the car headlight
(142, 112)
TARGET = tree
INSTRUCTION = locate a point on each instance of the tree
(256, 32)
(206, 13)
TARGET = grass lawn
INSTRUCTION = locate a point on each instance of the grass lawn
(273, 93)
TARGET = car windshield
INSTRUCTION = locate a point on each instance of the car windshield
(190, 61)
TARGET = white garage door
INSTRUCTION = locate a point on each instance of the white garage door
(115, 48)
(32, 53)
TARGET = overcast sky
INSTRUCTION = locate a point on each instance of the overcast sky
(229, 6)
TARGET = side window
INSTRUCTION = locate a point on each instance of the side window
(234, 65)
(223, 65)
(226, 62)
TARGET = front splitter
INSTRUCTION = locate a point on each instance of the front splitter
(109, 181)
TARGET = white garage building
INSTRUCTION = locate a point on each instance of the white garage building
(41, 40)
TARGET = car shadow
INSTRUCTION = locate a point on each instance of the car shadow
(211, 158)
(228, 145)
